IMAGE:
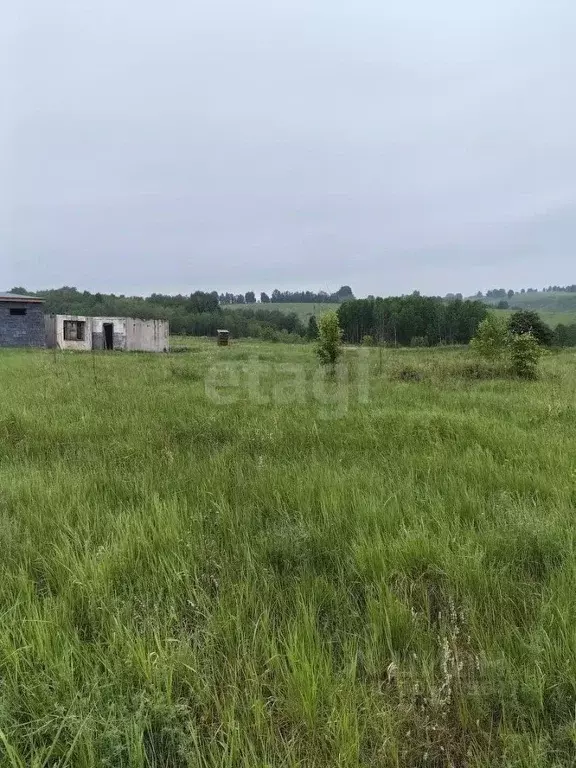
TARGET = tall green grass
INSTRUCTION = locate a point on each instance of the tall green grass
(184, 583)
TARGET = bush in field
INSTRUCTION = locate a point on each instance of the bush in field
(527, 321)
(312, 332)
(525, 353)
(329, 346)
(491, 339)
(267, 333)
(367, 341)
(495, 342)
(419, 341)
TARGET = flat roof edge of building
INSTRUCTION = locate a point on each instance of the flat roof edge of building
(19, 297)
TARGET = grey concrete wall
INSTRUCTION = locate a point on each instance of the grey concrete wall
(147, 335)
(55, 332)
(50, 330)
(129, 333)
(22, 330)
(119, 332)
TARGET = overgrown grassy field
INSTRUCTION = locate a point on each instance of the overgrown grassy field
(303, 309)
(377, 571)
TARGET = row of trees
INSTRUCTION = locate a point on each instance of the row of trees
(198, 314)
(503, 293)
(403, 319)
(344, 293)
(398, 321)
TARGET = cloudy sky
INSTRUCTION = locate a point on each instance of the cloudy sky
(169, 146)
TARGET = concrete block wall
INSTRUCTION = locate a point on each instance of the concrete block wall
(147, 335)
(22, 330)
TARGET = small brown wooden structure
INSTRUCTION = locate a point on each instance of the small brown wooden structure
(223, 337)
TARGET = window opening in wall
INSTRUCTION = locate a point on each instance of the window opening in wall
(74, 330)
(17, 310)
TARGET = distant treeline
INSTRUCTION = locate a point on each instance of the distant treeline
(503, 293)
(406, 320)
(198, 314)
(289, 297)
(402, 320)
(565, 335)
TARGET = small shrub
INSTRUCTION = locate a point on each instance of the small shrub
(491, 339)
(329, 346)
(367, 340)
(525, 353)
(267, 333)
(419, 341)
(409, 374)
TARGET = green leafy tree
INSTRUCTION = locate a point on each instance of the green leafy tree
(565, 335)
(526, 321)
(329, 346)
(250, 297)
(312, 332)
(264, 298)
(491, 339)
(525, 354)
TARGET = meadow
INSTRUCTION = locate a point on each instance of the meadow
(217, 558)
(303, 309)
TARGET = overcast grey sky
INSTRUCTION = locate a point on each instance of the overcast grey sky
(393, 146)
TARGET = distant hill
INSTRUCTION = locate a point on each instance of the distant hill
(551, 301)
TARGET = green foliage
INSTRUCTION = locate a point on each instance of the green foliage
(329, 346)
(268, 333)
(525, 321)
(397, 320)
(525, 353)
(565, 335)
(312, 332)
(491, 339)
(495, 342)
(196, 315)
(419, 341)
(310, 297)
(368, 341)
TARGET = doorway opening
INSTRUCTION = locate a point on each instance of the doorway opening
(108, 330)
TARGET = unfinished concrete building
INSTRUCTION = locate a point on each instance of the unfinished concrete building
(126, 333)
